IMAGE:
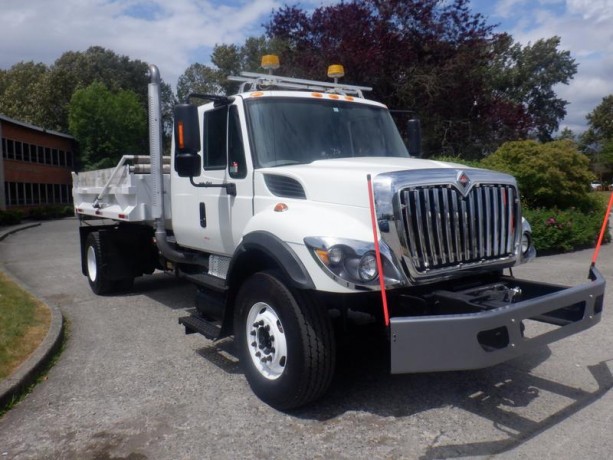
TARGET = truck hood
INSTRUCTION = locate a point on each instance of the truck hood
(344, 181)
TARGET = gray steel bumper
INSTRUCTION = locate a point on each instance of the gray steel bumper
(454, 342)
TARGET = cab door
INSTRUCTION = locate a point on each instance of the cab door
(207, 215)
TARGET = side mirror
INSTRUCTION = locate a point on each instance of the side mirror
(414, 132)
(187, 140)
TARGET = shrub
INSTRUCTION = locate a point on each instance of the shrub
(50, 212)
(458, 160)
(10, 217)
(556, 230)
(552, 175)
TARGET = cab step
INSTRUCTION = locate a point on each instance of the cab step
(200, 325)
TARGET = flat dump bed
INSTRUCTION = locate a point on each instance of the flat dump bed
(123, 193)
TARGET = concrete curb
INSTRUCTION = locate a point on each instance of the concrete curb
(6, 231)
(27, 372)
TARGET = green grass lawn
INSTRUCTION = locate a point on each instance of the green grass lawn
(24, 322)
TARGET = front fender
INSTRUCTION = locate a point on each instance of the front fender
(283, 257)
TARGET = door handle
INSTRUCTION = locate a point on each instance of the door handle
(202, 215)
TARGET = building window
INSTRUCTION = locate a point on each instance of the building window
(10, 149)
(18, 151)
(3, 148)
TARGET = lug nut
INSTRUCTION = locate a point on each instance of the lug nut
(258, 354)
(253, 344)
(252, 333)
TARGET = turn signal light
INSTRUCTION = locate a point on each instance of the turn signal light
(180, 134)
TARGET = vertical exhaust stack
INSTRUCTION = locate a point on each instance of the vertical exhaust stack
(155, 148)
(157, 172)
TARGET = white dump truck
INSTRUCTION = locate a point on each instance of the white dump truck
(294, 205)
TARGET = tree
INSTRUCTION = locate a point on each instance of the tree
(107, 124)
(600, 122)
(227, 60)
(428, 56)
(76, 70)
(597, 140)
(20, 91)
(567, 134)
(526, 75)
(198, 78)
(550, 175)
(472, 88)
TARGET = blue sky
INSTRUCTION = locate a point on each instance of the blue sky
(176, 33)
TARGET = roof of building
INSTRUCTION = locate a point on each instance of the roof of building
(35, 128)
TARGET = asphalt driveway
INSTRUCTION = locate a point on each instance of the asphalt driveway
(131, 384)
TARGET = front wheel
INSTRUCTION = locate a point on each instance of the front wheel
(285, 341)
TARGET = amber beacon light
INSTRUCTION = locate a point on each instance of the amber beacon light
(336, 71)
(270, 62)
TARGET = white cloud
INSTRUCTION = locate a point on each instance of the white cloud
(586, 30)
(168, 34)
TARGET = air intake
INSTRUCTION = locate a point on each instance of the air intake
(285, 187)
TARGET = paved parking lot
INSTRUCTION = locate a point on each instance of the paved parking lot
(131, 384)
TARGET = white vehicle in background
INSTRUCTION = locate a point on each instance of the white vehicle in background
(294, 202)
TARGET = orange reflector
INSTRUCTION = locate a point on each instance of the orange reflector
(323, 256)
(280, 207)
(181, 134)
(257, 94)
(317, 95)
(333, 96)
(348, 98)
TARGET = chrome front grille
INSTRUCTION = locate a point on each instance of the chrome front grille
(443, 228)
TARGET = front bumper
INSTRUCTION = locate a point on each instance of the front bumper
(493, 332)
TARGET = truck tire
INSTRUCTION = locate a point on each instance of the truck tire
(285, 341)
(97, 257)
(94, 261)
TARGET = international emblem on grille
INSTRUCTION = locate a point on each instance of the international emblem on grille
(463, 182)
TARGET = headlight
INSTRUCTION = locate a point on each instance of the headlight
(367, 267)
(528, 251)
(526, 242)
(353, 263)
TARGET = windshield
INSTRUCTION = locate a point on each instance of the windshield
(297, 131)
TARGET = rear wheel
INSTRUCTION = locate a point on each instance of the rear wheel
(94, 253)
(97, 258)
(285, 341)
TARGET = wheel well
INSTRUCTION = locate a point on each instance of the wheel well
(246, 264)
